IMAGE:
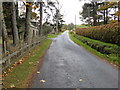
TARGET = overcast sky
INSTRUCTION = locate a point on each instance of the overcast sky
(70, 8)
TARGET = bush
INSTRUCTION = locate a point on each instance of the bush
(109, 33)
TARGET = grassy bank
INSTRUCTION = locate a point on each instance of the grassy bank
(19, 73)
(51, 36)
(104, 50)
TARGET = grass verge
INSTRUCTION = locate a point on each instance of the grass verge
(51, 36)
(17, 76)
(112, 58)
(54, 35)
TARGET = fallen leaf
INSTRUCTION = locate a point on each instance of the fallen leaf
(20, 60)
(37, 61)
(80, 80)
(42, 81)
(38, 72)
(11, 67)
(14, 65)
(12, 86)
(9, 70)
(4, 72)
(115, 65)
(30, 62)
(77, 88)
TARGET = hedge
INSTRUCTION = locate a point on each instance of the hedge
(109, 33)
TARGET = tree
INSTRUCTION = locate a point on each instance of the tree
(104, 9)
(70, 26)
(89, 12)
(58, 18)
(28, 31)
(41, 16)
(14, 24)
(94, 13)
(119, 11)
(65, 26)
(47, 28)
(97, 13)
(5, 44)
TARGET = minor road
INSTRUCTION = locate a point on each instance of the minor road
(67, 65)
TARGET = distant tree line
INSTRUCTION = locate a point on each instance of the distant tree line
(100, 12)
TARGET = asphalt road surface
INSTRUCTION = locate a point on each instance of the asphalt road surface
(67, 65)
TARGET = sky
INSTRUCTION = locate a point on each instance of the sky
(70, 9)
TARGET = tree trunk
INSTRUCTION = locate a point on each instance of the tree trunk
(106, 16)
(94, 14)
(0, 19)
(14, 24)
(28, 31)
(5, 44)
(41, 16)
(119, 11)
(57, 31)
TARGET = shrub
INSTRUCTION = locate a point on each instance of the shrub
(109, 33)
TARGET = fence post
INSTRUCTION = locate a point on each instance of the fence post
(9, 59)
